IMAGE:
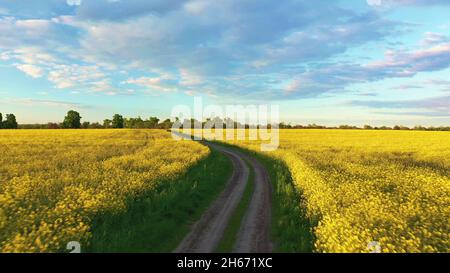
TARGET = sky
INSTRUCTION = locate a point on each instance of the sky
(378, 62)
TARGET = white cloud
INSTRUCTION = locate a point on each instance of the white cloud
(32, 55)
(52, 103)
(432, 38)
(31, 70)
(293, 86)
(34, 24)
(67, 76)
(189, 78)
(197, 7)
(74, 2)
(335, 77)
(204, 44)
(393, 3)
(5, 56)
(374, 2)
(17, 32)
(154, 83)
(406, 64)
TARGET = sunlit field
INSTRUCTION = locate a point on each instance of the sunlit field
(356, 189)
(359, 187)
(54, 182)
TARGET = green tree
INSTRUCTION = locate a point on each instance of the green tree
(134, 123)
(51, 125)
(117, 121)
(107, 123)
(85, 125)
(95, 125)
(1, 121)
(153, 122)
(10, 122)
(166, 124)
(72, 120)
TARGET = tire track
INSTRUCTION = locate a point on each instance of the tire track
(205, 235)
(254, 233)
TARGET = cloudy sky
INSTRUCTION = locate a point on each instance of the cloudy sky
(329, 62)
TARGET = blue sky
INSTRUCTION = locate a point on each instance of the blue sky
(329, 62)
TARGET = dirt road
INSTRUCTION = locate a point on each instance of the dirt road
(253, 236)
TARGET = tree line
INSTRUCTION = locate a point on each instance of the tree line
(366, 127)
(73, 121)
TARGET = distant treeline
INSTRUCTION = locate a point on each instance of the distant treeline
(73, 121)
(365, 127)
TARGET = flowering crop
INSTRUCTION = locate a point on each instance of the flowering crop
(53, 182)
(389, 187)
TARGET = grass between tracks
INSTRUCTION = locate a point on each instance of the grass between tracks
(231, 232)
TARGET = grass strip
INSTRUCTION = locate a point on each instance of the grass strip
(291, 230)
(158, 221)
(229, 238)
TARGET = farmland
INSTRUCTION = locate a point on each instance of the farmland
(358, 187)
(56, 185)
(140, 190)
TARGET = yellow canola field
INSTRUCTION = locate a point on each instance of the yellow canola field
(53, 182)
(368, 188)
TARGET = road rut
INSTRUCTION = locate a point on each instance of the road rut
(254, 233)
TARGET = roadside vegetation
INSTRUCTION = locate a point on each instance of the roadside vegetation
(159, 219)
(292, 231)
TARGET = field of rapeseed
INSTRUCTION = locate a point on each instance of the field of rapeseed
(359, 187)
(54, 182)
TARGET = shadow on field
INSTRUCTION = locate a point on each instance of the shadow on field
(158, 220)
(292, 230)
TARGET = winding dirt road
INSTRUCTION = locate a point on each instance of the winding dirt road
(254, 233)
